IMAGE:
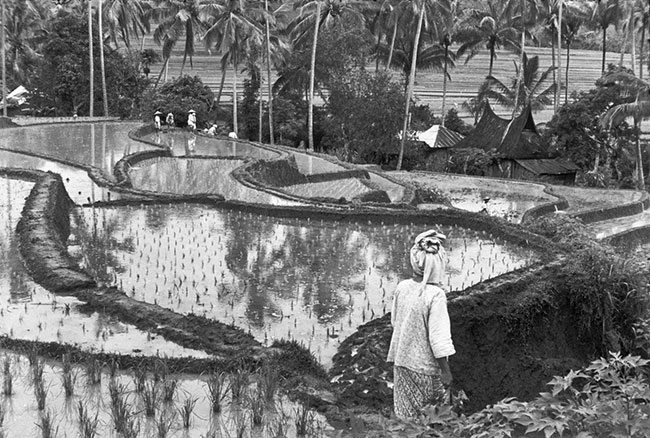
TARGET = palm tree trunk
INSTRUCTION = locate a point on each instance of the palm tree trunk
(268, 74)
(633, 52)
(444, 87)
(553, 63)
(91, 101)
(409, 89)
(639, 155)
(260, 111)
(234, 99)
(626, 36)
(604, 50)
(566, 74)
(3, 55)
(183, 64)
(377, 50)
(491, 60)
(312, 72)
(223, 80)
(162, 70)
(392, 45)
(101, 58)
(520, 77)
(645, 23)
(558, 88)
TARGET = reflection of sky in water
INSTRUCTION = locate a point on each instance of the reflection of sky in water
(76, 181)
(95, 144)
(506, 208)
(191, 176)
(275, 277)
(27, 311)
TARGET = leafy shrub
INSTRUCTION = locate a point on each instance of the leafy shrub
(180, 96)
(470, 161)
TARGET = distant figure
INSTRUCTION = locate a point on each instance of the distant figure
(191, 120)
(213, 129)
(156, 120)
(232, 134)
(421, 340)
(170, 120)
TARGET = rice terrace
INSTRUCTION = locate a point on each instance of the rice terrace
(207, 207)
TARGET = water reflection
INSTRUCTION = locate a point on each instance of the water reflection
(310, 280)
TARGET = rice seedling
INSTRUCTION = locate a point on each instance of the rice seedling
(87, 424)
(186, 411)
(305, 420)
(47, 426)
(278, 427)
(164, 424)
(113, 367)
(68, 376)
(93, 372)
(40, 392)
(269, 382)
(150, 397)
(123, 418)
(169, 389)
(160, 370)
(255, 403)
(217, 390)
(238, 383)
(37, 367)
(7, 384)
(139, 377)
(2, 415)
(240, 423)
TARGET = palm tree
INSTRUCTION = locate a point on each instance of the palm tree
(495, 26)
(91, 62)
(409, 89)
(176, 18)
(572, 21)
(637, 110)
(233, 30)
(312, 15)
(528, 87)
(126, 18)
(550, 14)
(606, 13)
(3, 55)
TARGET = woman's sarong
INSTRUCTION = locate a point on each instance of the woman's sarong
(412, 391)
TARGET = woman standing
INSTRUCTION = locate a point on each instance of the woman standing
(421, 341)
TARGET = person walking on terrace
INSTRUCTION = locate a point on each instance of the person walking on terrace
(191, 120)
(421, 341)
(170, 120)
(156, 120)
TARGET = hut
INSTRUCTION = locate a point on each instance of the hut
(521, 152)
(440, 140)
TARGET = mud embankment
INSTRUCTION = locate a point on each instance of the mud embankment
(43, 230)
(511, 334)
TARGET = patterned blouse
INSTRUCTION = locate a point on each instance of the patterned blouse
(421, 328)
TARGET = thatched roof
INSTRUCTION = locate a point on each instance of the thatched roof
(515, 139)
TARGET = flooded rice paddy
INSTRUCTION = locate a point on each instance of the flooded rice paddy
(144, 403)
(311, 280)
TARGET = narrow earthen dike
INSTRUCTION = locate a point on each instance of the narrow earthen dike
(43, 230)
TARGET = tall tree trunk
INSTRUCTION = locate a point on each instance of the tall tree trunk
(392, 45)
(223, 80)
(566, 74)
(558, 88)
(182, 65)
(312, 72)
(260, 111)
(91, 101)
(235, 123)
(643, 26)
(633, 51)
(553, 64)
(520, 77)
(3, 55)
(604, 49)
(268, 73)
(492, 54)
(377, 50)
(626, 37)
(639, 154)
(162, 70)
(409, 89)
(101, 57)
(444, 87)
